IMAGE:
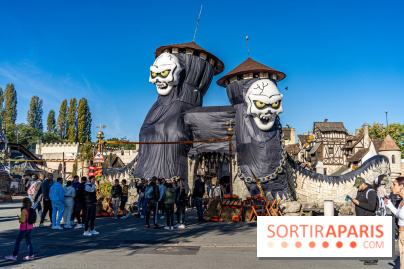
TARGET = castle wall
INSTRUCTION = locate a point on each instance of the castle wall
(395, 167)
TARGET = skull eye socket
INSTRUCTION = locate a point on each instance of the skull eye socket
(165, 73)
(259, 104)
(276, 104)
(153, 75)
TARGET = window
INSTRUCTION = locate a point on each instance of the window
(318, 154)
(393, 159)
(331, 150)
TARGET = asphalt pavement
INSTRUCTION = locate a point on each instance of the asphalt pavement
(128, 244)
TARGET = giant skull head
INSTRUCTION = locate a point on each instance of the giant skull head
(264, 103)
(165, 72)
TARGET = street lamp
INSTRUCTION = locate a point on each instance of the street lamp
(230, 133)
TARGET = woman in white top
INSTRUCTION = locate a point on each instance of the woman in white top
(398, 189)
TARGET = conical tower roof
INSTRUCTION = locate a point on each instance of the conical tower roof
(388, 144)
(250, 66)
(195, 49)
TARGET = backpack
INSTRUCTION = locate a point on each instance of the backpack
(149, 193)
(31, 189)
(381, 209)
(31, 215)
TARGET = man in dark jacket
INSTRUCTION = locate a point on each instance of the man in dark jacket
(168, 198)
(76, 183)
(81, 204)
(181, 202)
(152, 195)
(47, 203)
(116, 194)
(90, 196)
(199, 191)
(141, 201)
(366, 203)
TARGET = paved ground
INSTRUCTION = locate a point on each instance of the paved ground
(127, 244)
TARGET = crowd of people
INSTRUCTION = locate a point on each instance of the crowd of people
(77, 201)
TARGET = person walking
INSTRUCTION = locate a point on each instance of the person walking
(199, 191)
(116, 194)
(168, 199)
(152, 195)
(69, 193)
(37, 197)
(75, 185)
(141, 200)
(91, 204)
(124, 199)
(366, 202)
(57, 196)
(216, 192)
(30, 186)
(182, 202)
(81, 209)
(398, 189)
(25, 231)
(381, 191)
(161, 184)
(47, 203)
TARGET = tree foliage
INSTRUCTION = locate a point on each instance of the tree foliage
(83, 121)
(61, 125)
(27, 136)
(1, 102)
(86, 151)
(395, 130)
(51, 122)
(10, 107)
(120, 146)
(34, 115)
(72, 121)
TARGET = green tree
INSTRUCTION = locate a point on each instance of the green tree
(120, 146)
(10, 107)
(27, 136)
(83, 121)
(72, 121)
(51, 138)
(86, 151)
(51, 122)
(1, 102)
(34, 115)
(61, 125)
(395, 130)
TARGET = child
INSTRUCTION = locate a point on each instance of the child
(25, 231)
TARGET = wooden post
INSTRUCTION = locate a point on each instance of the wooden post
(231, 169)
(63, 168)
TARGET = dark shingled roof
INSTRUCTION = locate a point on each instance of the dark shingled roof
(115, 161)
(330, 126)
(219, 65)
(358, 156)
(377, 143)
(293, 149)
(303, 138)
(388, 144)
(355, 140)
(250, 66)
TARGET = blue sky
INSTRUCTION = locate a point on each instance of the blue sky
(344, 60)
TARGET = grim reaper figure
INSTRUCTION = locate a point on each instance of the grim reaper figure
(252, 90)
(182, 74)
